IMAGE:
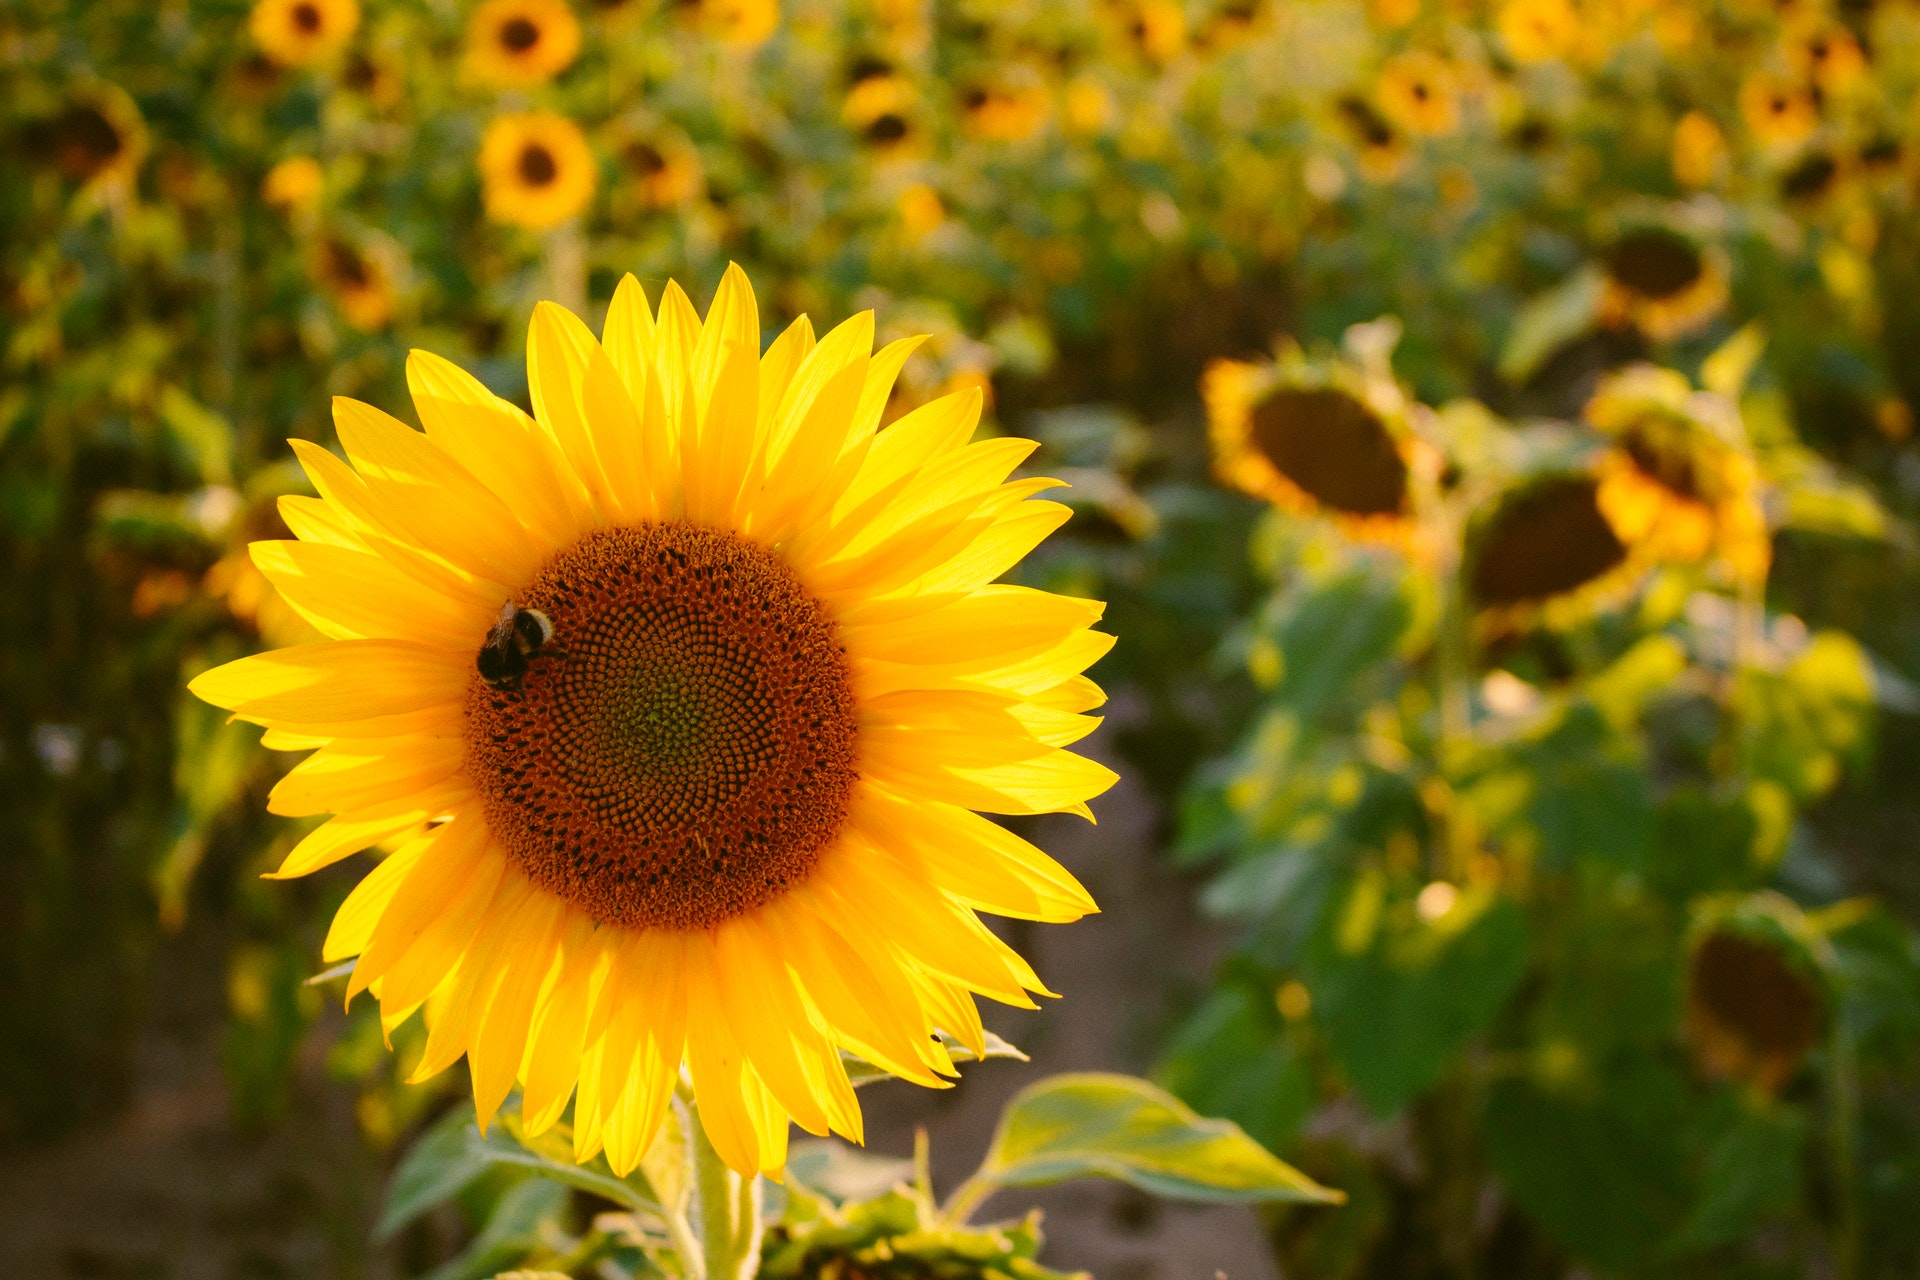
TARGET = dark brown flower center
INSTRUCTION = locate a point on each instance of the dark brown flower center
(1545, 541)
(345, 267)
(645, 159)
(1654, 263)
(537, 165)
(307, 18)
(1660, 453)
(1746, 990)
(684, 748)
(1334, 448)
(519, 34)
(84, 142)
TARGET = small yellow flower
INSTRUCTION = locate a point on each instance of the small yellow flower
(1539, 30)
(1310, 437)
(1419, 92)
(663, 169)
(1383, 148)
(1779, 112)
(745, 23)
(360, 278)
(1157, 28)
(537, 170)
(1663, 283)
(1391, 15)
(881, 108)
(376, 79)
(298, 33)
(293, 186)
(1829, 56)
(921, 210)
(515, 43)
(1086, 106)
(1699, 150)
(1011, 107)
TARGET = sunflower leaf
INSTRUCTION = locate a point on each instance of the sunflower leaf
(1096, 1125)
(860, 1071)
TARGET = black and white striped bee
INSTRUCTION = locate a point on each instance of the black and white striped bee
(518, 637)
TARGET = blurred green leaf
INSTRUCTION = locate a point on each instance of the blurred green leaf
(1549, 321)
(1110, 1126)
(860, 1071)
(522, 1221)
(1231, 1059)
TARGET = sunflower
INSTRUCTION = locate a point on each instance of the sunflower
(1828, 56)
(1157, 29)
(1383, 148)
(1538, 30)
(746, 23)
(1677, 482)
(536, 169)
(1311, 437)
(1011, 106)
(880, 107)
(360, 278)
(98, 141)
(1699, 150)
(515, 43)
(1546, 551)
(681, 695)
(294, 186)
(1780, 113)
(1420, 92)
(662, 169)
(1662, 282)
(298, 33)
(1756, 1002)
(377, 79)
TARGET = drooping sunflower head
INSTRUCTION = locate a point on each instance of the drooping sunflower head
(1420, 92)
(1662, 281)
(1382, 147)
(97, 141)
(359, 275)
(1538, 30)
(680, 699)
(1545, 551)
(1312, 437)
(298, 33)
(515, 43)
(1010, 105)
(536, 170)
(1678, 482)
(1756, 1001)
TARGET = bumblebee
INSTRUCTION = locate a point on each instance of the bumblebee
(518, 636)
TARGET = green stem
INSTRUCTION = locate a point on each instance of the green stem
(1843, 1116)
(727, 1207)
(967, 1197)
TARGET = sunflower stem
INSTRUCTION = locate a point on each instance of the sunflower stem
(727, 1207)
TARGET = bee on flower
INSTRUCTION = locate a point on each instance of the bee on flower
(536, 170)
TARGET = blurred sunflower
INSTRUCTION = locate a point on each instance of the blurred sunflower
(1677, 481)
(536, 170)
(1010, 106)
(515, 43)
(1086, 106)
(1756, 1002)
(1419, 92)
(294, 186)
(1662, 281)
(1383, 148)
(298, 33)
(1546, 551)
(1699, 150)
(1232, 23)
(746, 23)
(1813, 177)
(689, 686)
(1827, 55)
(98, 141)
(1780, 113)
(1157, 29)
(374, 78)
(662, 168)
(1538, 30)
(880, 108)
(360, 278)
(1308, 437)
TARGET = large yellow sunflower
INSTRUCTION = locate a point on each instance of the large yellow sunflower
(687, 689)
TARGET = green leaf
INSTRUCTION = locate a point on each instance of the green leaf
(1096, 1125)
(841, 1172)
(1549, 321)
(1232, 1059)
(453, 1154)
(512, 1232)
(1397, 1002)
(860, 1071)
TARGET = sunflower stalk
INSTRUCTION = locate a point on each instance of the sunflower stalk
(726, 1209)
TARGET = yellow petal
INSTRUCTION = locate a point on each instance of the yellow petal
(995, 619)
(369, 772)
(351, 594)
(353, 923)
(335, 680)
(557, 351)
(628, 336)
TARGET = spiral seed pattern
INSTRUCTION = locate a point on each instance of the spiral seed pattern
(684, 748)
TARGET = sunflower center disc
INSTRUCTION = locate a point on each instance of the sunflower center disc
(1334, 448)
(684, 747)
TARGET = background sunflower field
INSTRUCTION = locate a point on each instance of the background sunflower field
(1490, 423)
